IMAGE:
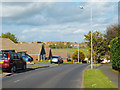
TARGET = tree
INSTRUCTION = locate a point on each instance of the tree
(112, 31)
(10, 36)
(99, 43)
(115, 53)
(68, 45)
(81, 55)
(52, 46)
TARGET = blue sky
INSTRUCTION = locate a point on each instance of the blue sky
(56, 21)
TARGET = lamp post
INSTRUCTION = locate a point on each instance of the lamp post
(78, 52)
(91, 17)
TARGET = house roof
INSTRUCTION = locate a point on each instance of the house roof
(70, 54)
(31, 48)
(62, 53)
(7, 44)
(47, 50)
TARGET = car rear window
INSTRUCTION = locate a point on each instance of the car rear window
(3, 55)
(55, 57)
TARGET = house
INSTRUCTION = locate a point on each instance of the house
(48, 53)
(35, 50)
(7, 44)
(62, 53)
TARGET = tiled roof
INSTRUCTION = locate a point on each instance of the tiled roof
(31, 48)
(47, 50)
(7, 44)
(62, 53)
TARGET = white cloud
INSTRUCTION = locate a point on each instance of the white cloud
(30, 30)
(57, 21)
(79, 31)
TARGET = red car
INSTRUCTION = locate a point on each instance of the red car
(11, 62)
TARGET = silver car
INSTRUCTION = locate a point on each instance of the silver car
(56, 59)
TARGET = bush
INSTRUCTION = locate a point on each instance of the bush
(81, 55)
(115, 53)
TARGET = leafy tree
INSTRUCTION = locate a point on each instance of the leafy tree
(111, 32)
(68, 45)
(52, 46)
(115, 53)
(60, 45)
(39, 42)
(81, 55)
(10, 36)
(99, 43)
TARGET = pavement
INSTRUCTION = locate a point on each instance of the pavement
(113, 76)
(61, 76)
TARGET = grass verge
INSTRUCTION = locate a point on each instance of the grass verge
(37, 66)
(42, 62)
(95, 65)
(94, 78)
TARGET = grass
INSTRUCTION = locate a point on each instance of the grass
(96, 65)
(84, 50)
(0, 71)
(42, 62)
(37, 66)
(94, 78)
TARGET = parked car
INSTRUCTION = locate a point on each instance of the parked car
(56, 59)
(27, 58)
(84, 61)
(69, 59)
(11, 62)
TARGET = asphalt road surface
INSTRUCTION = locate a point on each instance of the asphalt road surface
(61, 76)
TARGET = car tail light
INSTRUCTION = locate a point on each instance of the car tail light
(8, 55)
(6, 61)
(7, 65)
(58, 59)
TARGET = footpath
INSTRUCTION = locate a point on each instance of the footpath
(111, 74)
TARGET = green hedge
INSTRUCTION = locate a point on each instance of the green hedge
(115, 53)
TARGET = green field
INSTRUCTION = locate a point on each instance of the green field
(84, 50)
(95, 78)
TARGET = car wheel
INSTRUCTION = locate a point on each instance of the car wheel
(58, 62)
(13, 69)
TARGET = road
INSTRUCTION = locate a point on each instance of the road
(62, 76)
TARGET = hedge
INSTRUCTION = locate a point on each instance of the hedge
(115, 53)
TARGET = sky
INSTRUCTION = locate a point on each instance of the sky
(56, 21)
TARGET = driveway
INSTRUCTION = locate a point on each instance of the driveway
(61, 76)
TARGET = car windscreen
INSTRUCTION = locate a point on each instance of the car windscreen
(3, 55)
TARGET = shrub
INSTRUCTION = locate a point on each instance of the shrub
(81, 55)
(115, 53)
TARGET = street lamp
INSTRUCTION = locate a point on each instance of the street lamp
(91, 17)
(78, 52)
